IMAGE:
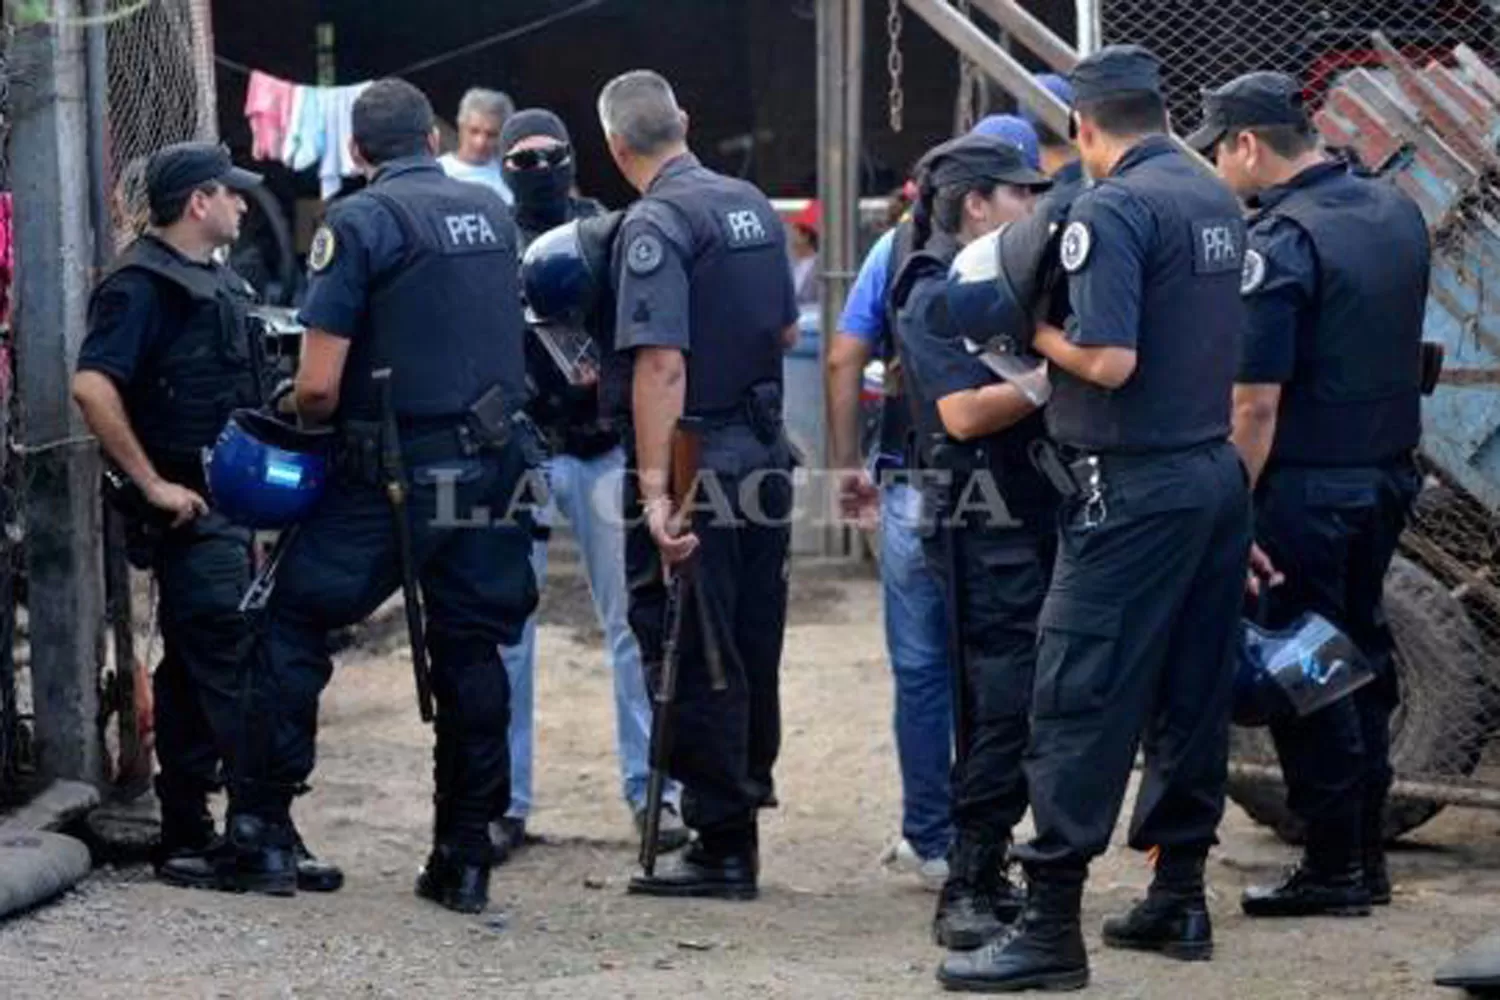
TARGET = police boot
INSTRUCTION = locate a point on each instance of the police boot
(1173, 918)
(1044, 952)
(713, 867)
(314, 875)
(1315, 888)
(969, 907)
(187, 827)
(456, 878)
(255, 855)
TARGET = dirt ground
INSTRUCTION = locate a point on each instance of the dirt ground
(830, 922)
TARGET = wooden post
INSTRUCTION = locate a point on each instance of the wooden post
(49, 176)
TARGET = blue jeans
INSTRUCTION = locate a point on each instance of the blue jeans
(588, 493)
(916, 640)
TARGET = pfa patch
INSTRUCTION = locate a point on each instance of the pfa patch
(1253, 273)
(324, 247)
(644, 254)
(1077, 241)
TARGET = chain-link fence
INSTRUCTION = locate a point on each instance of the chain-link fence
(1420, 103)
(159, 89)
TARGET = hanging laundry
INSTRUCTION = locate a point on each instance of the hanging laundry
(268, 106)
(338, 113)
(304, 138)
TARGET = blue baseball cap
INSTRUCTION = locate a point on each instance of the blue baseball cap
(1015, 130)
(1058, 87)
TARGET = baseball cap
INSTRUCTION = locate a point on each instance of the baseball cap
(1255, 99)
(182, 167)
(1115, 70)
(1012, 129)
(975, 157)
(1056, 85)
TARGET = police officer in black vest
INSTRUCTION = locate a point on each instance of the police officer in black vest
(971, 444)
(1327, 416)
(706, 308)
(1139, 624)
(169, 354)
(416, 273)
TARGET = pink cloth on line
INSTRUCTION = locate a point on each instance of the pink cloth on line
(268, 106)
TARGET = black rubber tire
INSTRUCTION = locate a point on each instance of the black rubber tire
(1447, 710)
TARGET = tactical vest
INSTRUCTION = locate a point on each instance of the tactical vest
(447, 318)
(578, 208)
(1355, 397)
(1191, 317)
(1006, 454)
(736, 282)
(213, 365)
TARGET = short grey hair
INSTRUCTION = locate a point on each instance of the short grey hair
(641, 109)
(494, 104)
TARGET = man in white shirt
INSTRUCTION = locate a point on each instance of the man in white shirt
(481, 115)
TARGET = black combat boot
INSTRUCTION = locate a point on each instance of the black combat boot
(966, 914)
(456, 879)
(255, 855)
(711, 868)
(187, 827)
(1173, 918)
(1044, 952)
(1312, 889)
(313, 874)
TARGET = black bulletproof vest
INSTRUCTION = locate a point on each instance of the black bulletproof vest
(203, 372)
(578, 208)
(738, 278)
(895, 414)
(1355, 397)
(447, 318)
(1191, 317)
(1005, 455)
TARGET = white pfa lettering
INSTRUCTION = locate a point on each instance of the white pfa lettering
(1218, 244)
(745, 226)
(470, 229)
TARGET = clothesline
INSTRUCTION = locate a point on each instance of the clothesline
(498, 38)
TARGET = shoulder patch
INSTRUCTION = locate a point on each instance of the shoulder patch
(645, 254)
(324, 248)
(1077, 241)
(1253, 273)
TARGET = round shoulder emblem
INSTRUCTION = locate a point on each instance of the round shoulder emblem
(324, 246)
(1253, 274)
(1077, 241)
(644, 254)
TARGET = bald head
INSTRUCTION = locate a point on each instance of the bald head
(640, 109)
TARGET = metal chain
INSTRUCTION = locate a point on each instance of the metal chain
(968, 81)
(895, 63)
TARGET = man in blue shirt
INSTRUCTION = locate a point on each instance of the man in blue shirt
(915, 627)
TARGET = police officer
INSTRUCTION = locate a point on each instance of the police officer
(1059, 158)
(587, 461)
(972, 436)
(1327, 416)
(1137, 629)
(416, 274)
(169, 354)
(706, 307)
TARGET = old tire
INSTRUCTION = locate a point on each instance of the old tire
(1447, 707)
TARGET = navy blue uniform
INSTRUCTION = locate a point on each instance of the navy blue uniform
(702, 269)
(1336, 287)
(1138, 625)
(1003, 557)
(419, 272)
(171, 333)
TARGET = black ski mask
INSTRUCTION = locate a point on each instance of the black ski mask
(541, 186)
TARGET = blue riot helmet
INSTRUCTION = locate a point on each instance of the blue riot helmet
(993, 287)
(1293, 672)
(264, 472)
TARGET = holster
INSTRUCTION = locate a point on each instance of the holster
(356, 455)
(763, 410)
